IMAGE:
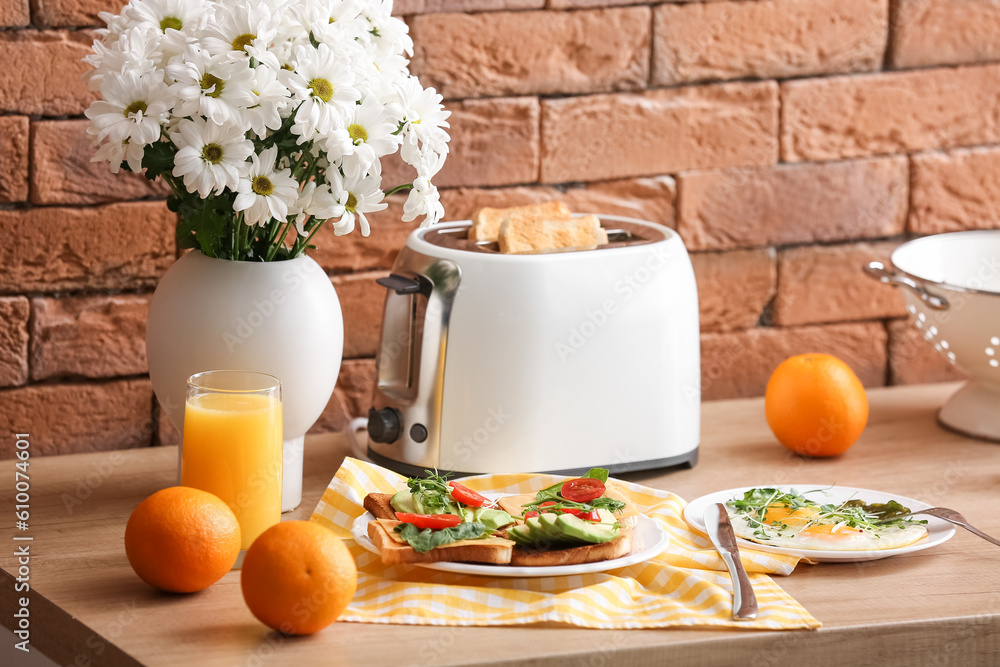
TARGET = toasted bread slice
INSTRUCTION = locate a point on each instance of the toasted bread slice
(520, 233)
(589, 553)
(393, 550)
(486, 221)
(380, 506)
(626, 518)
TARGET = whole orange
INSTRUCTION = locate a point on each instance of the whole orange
(298, 577)
(182, 539)
(815, 405)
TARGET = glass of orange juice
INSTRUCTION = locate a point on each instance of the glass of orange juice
(232, 445)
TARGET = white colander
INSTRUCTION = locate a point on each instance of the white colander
(952, 295)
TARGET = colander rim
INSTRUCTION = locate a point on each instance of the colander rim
(937, 283)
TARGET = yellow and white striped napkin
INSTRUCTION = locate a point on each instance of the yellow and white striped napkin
(684, 586)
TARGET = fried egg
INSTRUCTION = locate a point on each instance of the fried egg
(808, 528)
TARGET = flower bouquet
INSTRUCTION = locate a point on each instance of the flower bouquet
(265, 117)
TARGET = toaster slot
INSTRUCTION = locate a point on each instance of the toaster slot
(402, 335)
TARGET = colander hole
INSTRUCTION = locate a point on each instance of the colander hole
(995, 340)
(937, 346)
(990, 351)
(911, 309)
(994, 363)
(922, 317)
(951, 357)
(944, 344)
(933, 329)
(928, 335)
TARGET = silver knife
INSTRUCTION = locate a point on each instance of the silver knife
(720, 531)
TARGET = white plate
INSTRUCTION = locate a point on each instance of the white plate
(649, 539)
(938, 530)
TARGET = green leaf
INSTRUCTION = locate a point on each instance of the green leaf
(424, 540)
(157, 159)
(597, 473)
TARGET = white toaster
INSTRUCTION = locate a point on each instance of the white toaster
(549, 362)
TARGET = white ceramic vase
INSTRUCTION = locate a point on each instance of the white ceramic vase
(281, 318)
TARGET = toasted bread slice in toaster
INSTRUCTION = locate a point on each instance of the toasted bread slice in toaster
(486, 222)
(520, 233)
(393, 550)
(526, 556)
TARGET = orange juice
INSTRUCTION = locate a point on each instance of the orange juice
(232, 448)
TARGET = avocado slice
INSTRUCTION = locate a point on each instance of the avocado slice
(402, 501)
(536, 530)
(550, 525)
(520, 534)
(492, 518)
(606, 515)
(586, 531)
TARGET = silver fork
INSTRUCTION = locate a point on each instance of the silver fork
(951, 516)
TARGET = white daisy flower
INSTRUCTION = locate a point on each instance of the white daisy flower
(389, 33)
(423, 119)
(266, 192)
(324, 81)
(363, 195)
(424, 198)
(329, 23)
(212, 86)
(118, 152)
(319, 202)
(133, 107)
(371, 132)
(210, 156)
(136, 49)
(241, 30)
(181, 15)
(271, 99)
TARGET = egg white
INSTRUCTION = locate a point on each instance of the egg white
(844, 539)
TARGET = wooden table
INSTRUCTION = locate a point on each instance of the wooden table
(935, 607)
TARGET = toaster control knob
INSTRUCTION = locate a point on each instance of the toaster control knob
(383, 425)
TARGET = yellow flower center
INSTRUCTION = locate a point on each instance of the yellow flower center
(171, 22)
(241, 41)
(212, 153)
(208, 81)
(287, 67)
(352, 203)
(358, 133)
(262, 185)
(135, 107)
(322, 89)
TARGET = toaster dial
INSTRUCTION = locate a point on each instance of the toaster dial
(384, 425)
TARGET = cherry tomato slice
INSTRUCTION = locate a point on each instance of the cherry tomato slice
(433, 521)
(592, 515)
(547, 503)
(582, 489)
(572, 510)
(467, 496)
(528, 515)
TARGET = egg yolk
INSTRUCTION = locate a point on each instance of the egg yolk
(825, 532)
(786, 516)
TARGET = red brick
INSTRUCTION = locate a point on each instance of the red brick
(615, 136)
(72, 418)
(14, 13)
(92, 336)
(361, 300)
(793, 203)
(825, 119)
(13, 158)
(515, 53)
(912, 360)
(42, 70)
(768, 38)
(493, 142)
(739, 364)
(14, 315)
(944, 32)
(62, 173)
(956, 191)
(649, 199)
(353, 252)
(119, 246)
(826, 284)
(407, 7)
(166, 434)
(71, 13)
(733, 287)
(351, 398)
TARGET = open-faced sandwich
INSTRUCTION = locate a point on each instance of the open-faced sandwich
(582, 520)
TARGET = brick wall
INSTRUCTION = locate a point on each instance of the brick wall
(788, 141)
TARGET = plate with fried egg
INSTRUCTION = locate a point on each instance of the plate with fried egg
(824, 523)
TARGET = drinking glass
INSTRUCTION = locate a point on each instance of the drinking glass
(232, 445)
